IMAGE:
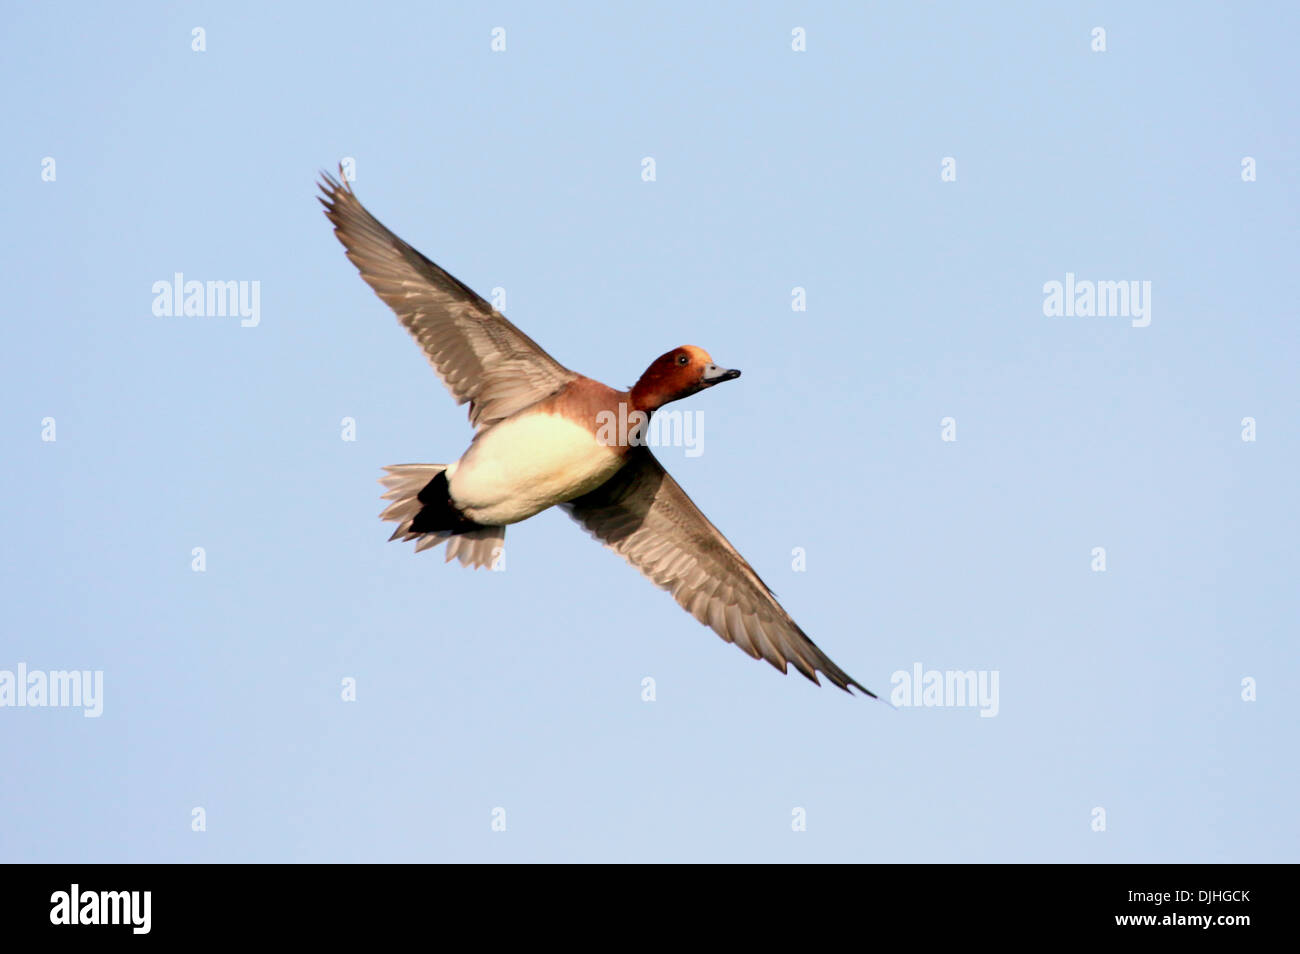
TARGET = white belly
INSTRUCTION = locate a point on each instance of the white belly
(522, 466)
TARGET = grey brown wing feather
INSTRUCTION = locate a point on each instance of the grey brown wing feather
(480, 356)
(644, 515)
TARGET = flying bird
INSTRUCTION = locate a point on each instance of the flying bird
(543, 439)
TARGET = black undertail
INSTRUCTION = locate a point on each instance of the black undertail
(439, 513)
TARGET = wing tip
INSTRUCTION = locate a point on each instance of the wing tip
(837, 676)
(842, 680)
(861, 688)
(333, 190)
(845, 682)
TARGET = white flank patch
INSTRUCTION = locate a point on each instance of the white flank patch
(526, 464)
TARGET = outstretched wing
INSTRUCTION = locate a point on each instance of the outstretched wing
(480, 356)
(644, 515)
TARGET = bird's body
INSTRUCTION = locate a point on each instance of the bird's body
(547, 436)
(530, 461)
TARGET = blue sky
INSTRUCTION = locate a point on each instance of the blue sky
(1119, 690)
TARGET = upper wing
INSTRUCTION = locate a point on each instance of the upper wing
(643, 514)
(481, 357)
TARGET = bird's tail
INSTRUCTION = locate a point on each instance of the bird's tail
(422, 511)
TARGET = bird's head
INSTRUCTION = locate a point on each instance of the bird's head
(677, 374)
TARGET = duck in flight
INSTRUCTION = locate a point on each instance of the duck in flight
(543, 439)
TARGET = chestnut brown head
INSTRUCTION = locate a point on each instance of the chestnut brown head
(677, 374)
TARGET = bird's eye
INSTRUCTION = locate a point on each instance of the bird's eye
(682, 359)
